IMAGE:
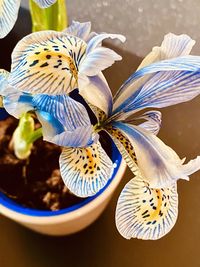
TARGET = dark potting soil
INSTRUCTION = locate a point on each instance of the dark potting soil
(36, 182)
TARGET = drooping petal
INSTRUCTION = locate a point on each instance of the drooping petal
(85, 171)
(54, 132)
(8, 15)
(146, 213)
(158, 163)
(98, 60)
(81, 30)
(97, 93)
(172, 46)
(174, 81)
(47, 62)
(3, 81)
(65, 121)
(45, 3)
(97, 40)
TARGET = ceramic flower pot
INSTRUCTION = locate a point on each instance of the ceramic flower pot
(71, 219)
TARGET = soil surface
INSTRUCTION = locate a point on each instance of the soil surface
(36, 182)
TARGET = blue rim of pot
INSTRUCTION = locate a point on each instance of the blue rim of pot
(10, 204)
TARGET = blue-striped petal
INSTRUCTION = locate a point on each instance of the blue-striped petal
(65, 121)
(45, 3)
(8, 15)
(97, 92)
(174, 81)
(152, 123)
(85, 171)
(146, 213)
(47, 62)
(159, 164)
(172, 46)
(81, 30)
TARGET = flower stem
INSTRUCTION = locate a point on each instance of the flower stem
(34, 136)
(24, 136)
(51, 18)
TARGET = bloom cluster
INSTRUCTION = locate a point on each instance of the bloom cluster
(47, 66)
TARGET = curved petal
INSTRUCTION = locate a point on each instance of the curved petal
(152, 123)
(3, 81)
(175, 81)
(8, 15)
(97, 93)
(17, 103)
(172, 46)
(124, 146)
(54, 132)
(158, 163)
(45, 3)
(98, 60)
(47, 62)
(85, 171)
(97, 39)
(65, 121)
(146, 213)
(81, 30)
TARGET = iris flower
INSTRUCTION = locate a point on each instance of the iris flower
(9, 11)
(148, 205)
(46, 67)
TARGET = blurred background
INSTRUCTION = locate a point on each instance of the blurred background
(144, 23)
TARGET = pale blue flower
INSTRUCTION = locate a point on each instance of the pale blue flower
(148, 205)
(9, 11)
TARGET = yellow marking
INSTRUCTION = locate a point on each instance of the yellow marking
(155, 214)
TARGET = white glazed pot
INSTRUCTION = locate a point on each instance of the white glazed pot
(69, 220)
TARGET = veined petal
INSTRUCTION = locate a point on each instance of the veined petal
(81, 30)
(54, 132)
(69, 112)
(159, 164)
(3, 81)
(99, 114)
(17, 103)
(97, 60)
(174, 81)
(176, 45)
(97, 39)
(172, 46)
(65, 121)
(85, 171)
(152, 123)
(146, 213)
(45, 3)
(97, 93)
(47, 62)
(8, 15)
